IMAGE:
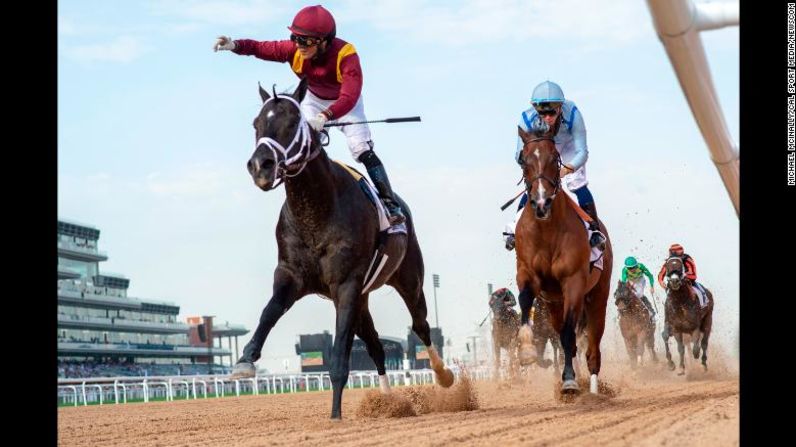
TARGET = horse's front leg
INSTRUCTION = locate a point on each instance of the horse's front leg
(572, 289)
(650, 340)
(496, 351)
(347, 304)
(678, 336)
(527, 293)
(286, 292)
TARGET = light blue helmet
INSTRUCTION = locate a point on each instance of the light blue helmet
(547, 92)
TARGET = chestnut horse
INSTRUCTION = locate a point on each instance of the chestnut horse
(553, 253)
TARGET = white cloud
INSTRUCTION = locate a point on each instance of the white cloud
(195, 180)
(221, 12)
(123, 49)
(482, 21)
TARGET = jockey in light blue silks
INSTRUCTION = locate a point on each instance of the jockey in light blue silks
(549, 109)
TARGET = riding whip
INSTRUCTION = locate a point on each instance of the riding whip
(507, 204)
(655, 300)
(484, 320)
(388, 120)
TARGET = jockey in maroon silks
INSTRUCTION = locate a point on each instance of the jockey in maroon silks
(334, 78)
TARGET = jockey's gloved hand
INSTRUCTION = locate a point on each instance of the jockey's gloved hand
(510, 242)
(317, 122)
(539, 126)
(224, 43)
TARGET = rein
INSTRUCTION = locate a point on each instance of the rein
(556, 184)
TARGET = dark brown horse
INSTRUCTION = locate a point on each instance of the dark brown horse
(553, 255)
(505, 324)
(327, 235)
(542, 332)
(685, 315)
(634, 323)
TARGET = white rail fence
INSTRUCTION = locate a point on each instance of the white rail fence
(116, 390)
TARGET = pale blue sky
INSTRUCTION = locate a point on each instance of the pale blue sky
(154, 130)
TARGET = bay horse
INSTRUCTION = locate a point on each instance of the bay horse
(684, 315)
(634, 323)
(505, 325)
(327, 234)
(542, 332)
(553, 253)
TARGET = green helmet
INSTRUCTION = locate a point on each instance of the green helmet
(631, 262)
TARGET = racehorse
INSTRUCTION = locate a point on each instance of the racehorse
(542, 332)
(505, 325)
(685, 315)
(553, 255)
(327, 234)
(634, 323)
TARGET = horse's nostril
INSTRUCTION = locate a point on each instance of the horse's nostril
(547, 202)
(268, 164)
(250, 166)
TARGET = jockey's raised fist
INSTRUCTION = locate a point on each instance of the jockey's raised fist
(224, 43)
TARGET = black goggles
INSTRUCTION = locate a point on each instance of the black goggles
(305, 41)
(547, 108)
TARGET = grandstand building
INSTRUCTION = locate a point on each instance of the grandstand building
(102, 331)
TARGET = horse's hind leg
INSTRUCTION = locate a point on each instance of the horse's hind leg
(367, 332)
(558, 353)
(595, 326)
(650, 339)
(541, 343)
(573, 306)
(630, 347)
(285, 293)
(409, 284)
(641, 346)
(707, 325)
(678, 336)
(695, 336)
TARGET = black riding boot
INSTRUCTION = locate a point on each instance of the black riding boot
(378, 175)
(597, 237)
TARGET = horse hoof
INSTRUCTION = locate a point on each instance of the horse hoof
(671, 366)
(681, 372)
(527, 357)
(570, 387)
(445, 378)
(243, 370)
(545, 363)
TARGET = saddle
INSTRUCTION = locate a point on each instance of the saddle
(596, 255)
(392, 239)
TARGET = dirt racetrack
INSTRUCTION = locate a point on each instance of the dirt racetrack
(651, 407)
